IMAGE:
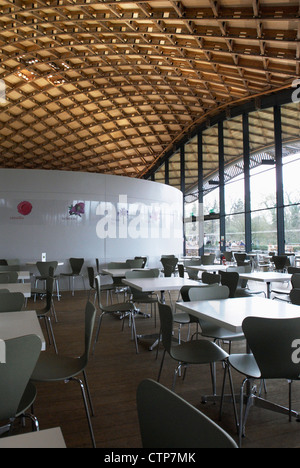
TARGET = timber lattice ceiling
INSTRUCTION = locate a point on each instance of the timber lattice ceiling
(111, 86)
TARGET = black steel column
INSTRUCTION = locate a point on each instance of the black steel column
(200, 193)
(182, 188)
(247, 195)
(279, 181)
(221, 187)
(167, 171)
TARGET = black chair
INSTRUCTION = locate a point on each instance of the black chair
(280, 262)
(231, 280)
(295, 296)
(168, 421)
(210, 278)
(180, 267)
(76, 265)
(169, 265)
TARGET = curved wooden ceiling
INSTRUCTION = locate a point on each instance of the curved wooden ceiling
(110, 86)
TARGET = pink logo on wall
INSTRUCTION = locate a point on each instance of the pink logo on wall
(24, 208)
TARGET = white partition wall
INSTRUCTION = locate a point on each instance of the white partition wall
(71, 214)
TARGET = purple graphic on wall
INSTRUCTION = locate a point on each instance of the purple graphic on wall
(77, 209)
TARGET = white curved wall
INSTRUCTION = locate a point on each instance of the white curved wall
(123, 217)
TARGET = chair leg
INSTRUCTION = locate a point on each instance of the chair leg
(161, 365)
(98, 331)
(86, 409)
(52, 333)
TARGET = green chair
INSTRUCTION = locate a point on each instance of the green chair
(125, 309)
(8, 277)
(76, 265)
(11, 302)
(56, 367)
(271, 358)
(16, 390)
(136, 263)
(45, 312)
(167, 421)
(190, 352)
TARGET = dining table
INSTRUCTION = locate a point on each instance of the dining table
(213, 268)
(159, 284)
(267, 277)
(230, 314)
(20, 323)
(46, 438)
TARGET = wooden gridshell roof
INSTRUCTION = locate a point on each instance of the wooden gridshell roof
(111, 86)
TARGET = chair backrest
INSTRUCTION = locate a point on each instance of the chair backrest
(21, 356)
(145, 259)
(293, 270)
(136, 263)
(210, 278)
(9, 268)
(169, 264)
(192, 274)
(2, 291)
(116, 265)
(11, 302)
(295, 280)
(3, 261)
(295, 296)
(166, 323)
(241, 257)
(279, 262)
(208, 293)
(180, 267)
(184, 292)
(168, 421)
(228, 256)
(208, 259)
(76, 265)
(44, 267)
(90, 316)
(49, 290)
(91, 276)
(273, 343)
(240, 269)
(8, 277)
(151, 273)
(231, 280)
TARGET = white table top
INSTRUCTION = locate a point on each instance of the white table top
(119, 272)
(160, 284)
(15, 324)
(230, 313)
(48, 438)
(34, 263)
(210, 268)
(266, 276)
(24, 288)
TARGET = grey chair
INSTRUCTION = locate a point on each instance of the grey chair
(190, 352)
(8, 277)
(135, 263)
(271, 358)
(167, 421)
(108, 288)
(169, 265)
(140, 297)
(207, 259)
(56, 367)
(192, 274)
(295, 296)
(12, 302)
(210, 278)
(119, 287)
(17, 392)
(49, 309)
(242, 289)
(209, 330)
(44, 271)
(283, 294)
(76, 265)
(125, 309)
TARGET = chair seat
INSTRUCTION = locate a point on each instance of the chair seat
(27, 399)
(54, 367)
(220, 333)
(181, 317)
(106, 287)
(198, 352)
(121, 307)
(246, 364)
